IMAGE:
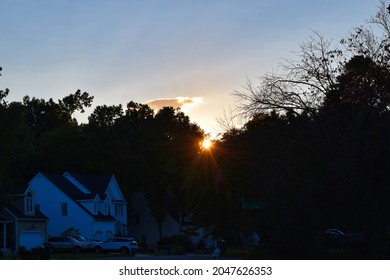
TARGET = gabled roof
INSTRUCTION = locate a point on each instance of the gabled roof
(74, 193)
(96, 184)
(14, 211)
(172, 207)
(99, 216)
(67, 187)
(4, 219)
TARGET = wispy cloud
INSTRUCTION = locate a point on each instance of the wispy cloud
(185, 103)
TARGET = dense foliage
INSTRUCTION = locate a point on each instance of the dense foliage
(316, 144)
(314, 152)
(147, 151)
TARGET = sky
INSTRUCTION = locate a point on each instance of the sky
(187, 53)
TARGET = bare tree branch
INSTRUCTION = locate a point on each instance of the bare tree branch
(303, 84)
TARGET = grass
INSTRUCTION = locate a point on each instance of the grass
(81, 256)
(65, 256)
(236, 252)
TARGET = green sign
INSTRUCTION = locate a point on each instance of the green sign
(253, 205)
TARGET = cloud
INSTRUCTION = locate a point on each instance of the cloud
(185, 103)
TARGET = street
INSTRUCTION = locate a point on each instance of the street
(166, 257)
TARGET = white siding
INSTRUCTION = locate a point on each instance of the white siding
(50, 198)
(115, 190)
(89, 205)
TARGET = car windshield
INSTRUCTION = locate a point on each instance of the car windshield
(79, 238)
(68, 238)
(335, 231)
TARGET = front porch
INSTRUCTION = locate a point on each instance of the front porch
(5, 240)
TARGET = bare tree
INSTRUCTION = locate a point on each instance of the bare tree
(229, 121)
(301, 85)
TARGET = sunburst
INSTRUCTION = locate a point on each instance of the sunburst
(207, 144)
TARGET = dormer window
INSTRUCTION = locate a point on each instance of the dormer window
(28, 204)
(96, 205)
(118, 210)
(107, 208)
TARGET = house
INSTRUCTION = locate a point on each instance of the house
(92, 204)
(143, 226)
(21, 223)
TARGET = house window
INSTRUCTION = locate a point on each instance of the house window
(106, 208)
(118, 210)
(29, 208)
(64, 209)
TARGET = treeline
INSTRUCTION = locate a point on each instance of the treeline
(316, 147)
(314, 152)
(147, 151)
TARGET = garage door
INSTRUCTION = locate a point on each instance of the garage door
(30, 239)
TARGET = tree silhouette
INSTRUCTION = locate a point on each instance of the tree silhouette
(317, 135)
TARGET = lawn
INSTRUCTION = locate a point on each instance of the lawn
(62, 256)
(81, 256)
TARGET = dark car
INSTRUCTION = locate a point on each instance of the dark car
(64, 244)
(333, 238)
(336, 238)
(123, 245)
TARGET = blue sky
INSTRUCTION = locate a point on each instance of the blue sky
(158, 50)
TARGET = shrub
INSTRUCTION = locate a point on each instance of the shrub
(177, 244)
(24, 254)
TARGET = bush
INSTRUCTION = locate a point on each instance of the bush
(292, 242)
(177, 244)
(71, 231)
(24, 254)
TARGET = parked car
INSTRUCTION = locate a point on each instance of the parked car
(88, 244)
(333, 237)
(64, 244)
(333, 232)
(337, 238)
(123, 245)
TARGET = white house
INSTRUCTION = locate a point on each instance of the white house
(93, 204)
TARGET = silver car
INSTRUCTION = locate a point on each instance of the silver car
(64, 244)
(125, 246)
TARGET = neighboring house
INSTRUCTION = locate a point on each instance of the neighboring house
(143, 226)
(21, 223)
(93, 204)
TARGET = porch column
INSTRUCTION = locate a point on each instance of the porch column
(4, 236)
